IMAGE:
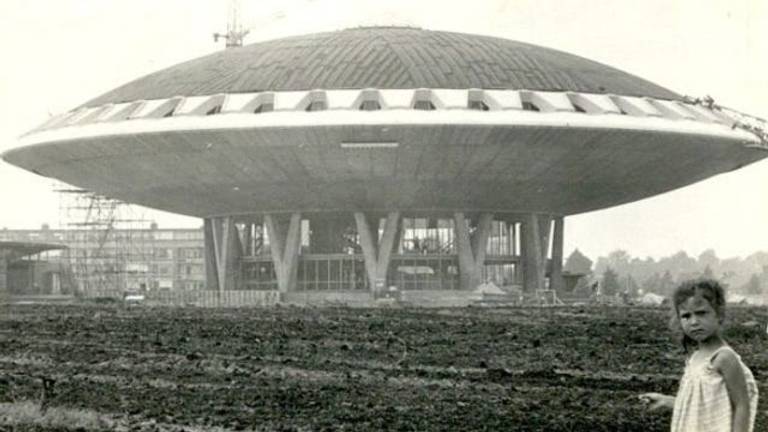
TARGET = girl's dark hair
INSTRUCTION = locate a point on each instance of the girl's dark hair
(710, 290)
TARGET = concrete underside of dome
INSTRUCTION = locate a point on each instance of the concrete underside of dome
(420, 168)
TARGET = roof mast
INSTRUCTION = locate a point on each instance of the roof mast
(235, 32)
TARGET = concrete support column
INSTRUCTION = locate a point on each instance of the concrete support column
(248, 239)
(211, 269)
(471, 248)
(512, 237)
(377, 251)
(222, 252)
(55, 283)
(237, 250)
(556, 281)
(285, 245)
(516, 227)
(533, 262)
(545, 229)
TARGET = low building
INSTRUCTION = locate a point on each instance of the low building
(104, 262)
(24, 272)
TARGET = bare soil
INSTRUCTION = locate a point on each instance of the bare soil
(400, 369)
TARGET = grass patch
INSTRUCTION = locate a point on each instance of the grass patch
(28, 413)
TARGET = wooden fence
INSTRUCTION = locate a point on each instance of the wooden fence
(200, 298)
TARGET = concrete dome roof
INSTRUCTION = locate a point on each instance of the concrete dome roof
(377, 119)
(384, 58)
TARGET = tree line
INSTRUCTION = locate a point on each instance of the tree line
(620, 272)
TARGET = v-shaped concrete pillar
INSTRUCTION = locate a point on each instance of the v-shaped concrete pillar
(556, 281)
(545, 229)
(285, 249)
(222, 252)
(377, 251)
(472, 248)
(211, 272)
(248, 239)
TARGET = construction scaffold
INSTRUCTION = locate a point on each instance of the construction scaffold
(110, 243)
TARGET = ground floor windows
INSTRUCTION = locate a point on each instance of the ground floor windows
(258, 274)
(378, 251)
(424, 273)
(341, 273)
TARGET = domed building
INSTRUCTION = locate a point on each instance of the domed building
(342, 165)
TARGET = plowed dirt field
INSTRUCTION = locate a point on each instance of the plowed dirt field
(401, 369)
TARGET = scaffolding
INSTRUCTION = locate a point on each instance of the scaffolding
(110, 243)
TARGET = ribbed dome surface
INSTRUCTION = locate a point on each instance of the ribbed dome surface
(384, 58)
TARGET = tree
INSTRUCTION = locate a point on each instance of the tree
(652, 283)
(764, 277)
(709, 259)
(661, 285)
(630, 286)
(680, 264)
(753, 286)
(578, 263)
(618, 260)
(610, 284)
(642, 269)
(666, 284)
(708, 274)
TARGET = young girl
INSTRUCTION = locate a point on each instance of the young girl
(717, 391)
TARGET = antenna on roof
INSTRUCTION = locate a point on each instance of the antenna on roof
(235, 32)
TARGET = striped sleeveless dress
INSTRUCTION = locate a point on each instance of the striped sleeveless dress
(702, 403)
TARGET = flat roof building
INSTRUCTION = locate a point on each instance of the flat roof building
(11, 252)
(107, 263)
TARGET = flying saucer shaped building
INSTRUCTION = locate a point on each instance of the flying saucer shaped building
(349, 162)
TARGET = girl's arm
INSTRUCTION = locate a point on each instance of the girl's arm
(729, 367)
(658, 400)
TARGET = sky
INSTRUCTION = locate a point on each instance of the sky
(61, 53)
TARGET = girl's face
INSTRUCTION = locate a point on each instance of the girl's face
(698, 318)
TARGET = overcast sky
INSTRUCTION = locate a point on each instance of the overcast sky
(61, 53)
